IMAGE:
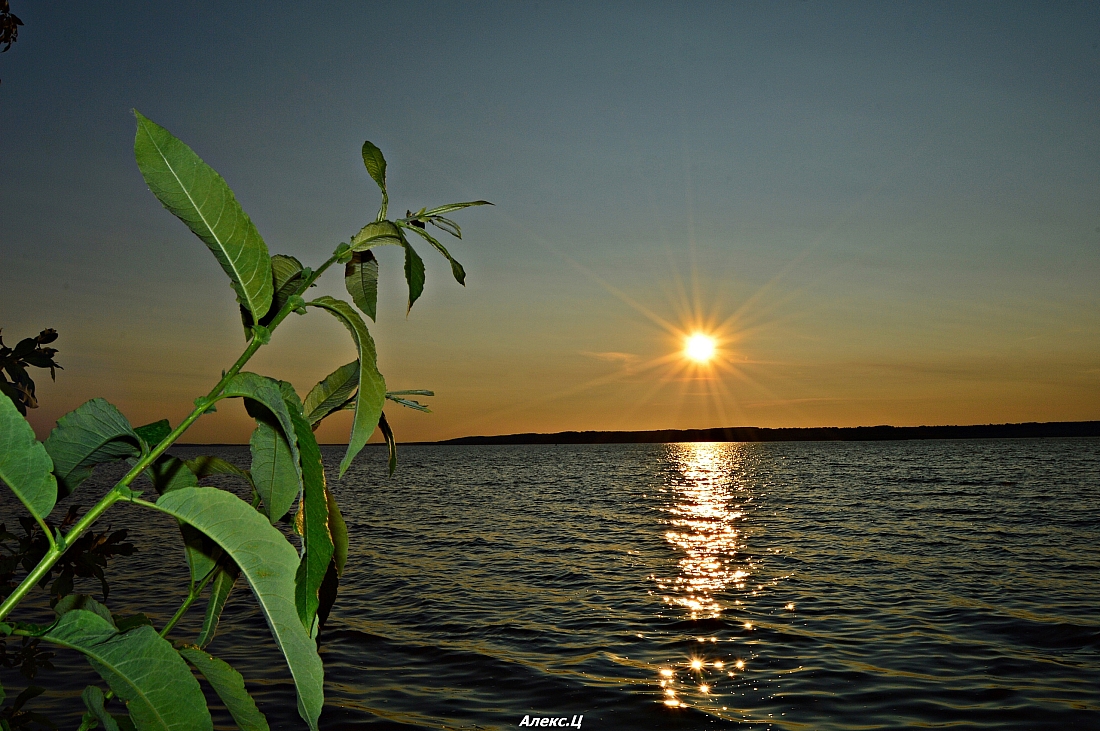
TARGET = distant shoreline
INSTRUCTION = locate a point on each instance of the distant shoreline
(1027, 430)
(801, 434)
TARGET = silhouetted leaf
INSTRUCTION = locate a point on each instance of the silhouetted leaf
(332, 392)
(24, 463)
(268, 562)
(140, 666)
(201, 198)
(229, 685)
(372, 387)
(361, 281)
(93, 433)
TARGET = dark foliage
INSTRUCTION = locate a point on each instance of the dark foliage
(14, 362)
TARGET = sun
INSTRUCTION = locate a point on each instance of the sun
(699, 348)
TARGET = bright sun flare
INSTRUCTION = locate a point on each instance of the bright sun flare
(700, 348)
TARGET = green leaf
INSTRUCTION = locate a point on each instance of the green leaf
(93, 701)
(25, 465)
(274, 470)
(201, 198)
(361, 281)
(377, 233)
(316, 539)
(229, 685)
(409, 403)
(447, 225)
(153, 434)
(206, 465)
(169, 473)
(266, 392)
(286, 277)
(375, 163)
(414, 274)
(268, 562)
(372, 387)
(452, 207)
(85, 602)
(220, 587)
(141, 668)
(332, 392)
(391, 442)
(93, 433)
(339, 531)
(456, 268)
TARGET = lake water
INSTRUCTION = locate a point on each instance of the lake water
(686, 586)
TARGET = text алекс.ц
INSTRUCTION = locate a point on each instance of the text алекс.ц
(561, 721)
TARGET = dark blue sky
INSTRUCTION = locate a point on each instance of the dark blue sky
(887, 213)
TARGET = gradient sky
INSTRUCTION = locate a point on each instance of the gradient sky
(889, 213)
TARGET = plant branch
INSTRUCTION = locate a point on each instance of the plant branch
(121, 489)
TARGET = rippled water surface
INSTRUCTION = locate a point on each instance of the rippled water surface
(683, 586)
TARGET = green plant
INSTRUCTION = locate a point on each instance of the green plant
(223, 536)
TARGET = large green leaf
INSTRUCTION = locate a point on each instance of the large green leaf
(229, 685)
(274, 471)
(201, 198)
(24, 464)
(332, 392)
(361, 281)
(141, 668)
(316, 539)
(268, 562)
(93, 433)
(414, 274)
(372, 387)
(456, 268)
(220, 587)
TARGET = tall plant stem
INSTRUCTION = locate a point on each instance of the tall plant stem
(121, 489)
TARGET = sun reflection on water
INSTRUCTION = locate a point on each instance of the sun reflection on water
(705, 510)
(705, 502)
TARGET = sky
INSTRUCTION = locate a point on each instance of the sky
(884, 213)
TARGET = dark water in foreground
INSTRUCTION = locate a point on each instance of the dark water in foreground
(813, 586)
